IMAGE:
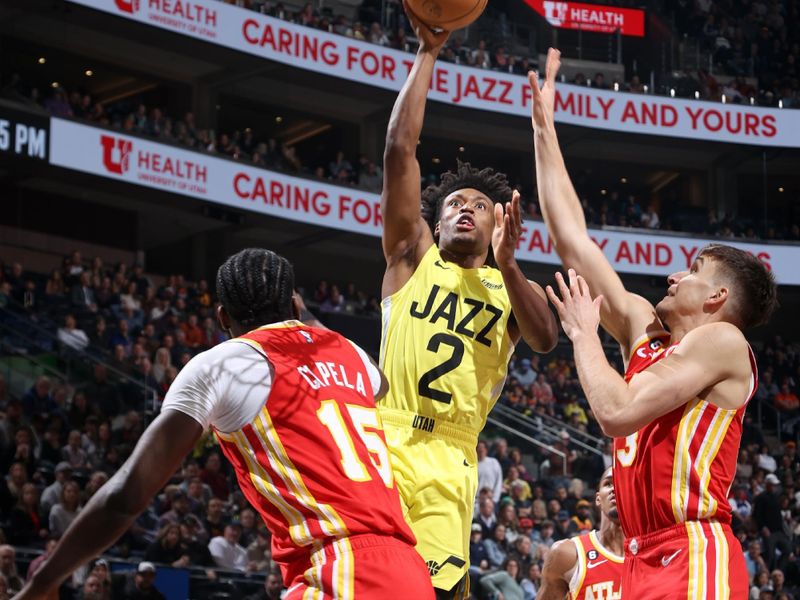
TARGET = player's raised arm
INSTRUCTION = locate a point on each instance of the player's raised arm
(404, 228)
(712, 362)
(117, 504)
(625, 316)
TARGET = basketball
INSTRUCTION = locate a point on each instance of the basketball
(447, 15)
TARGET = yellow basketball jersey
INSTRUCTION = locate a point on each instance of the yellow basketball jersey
(445, 345)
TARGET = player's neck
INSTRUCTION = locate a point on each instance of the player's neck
(611, 536)
(463, 260)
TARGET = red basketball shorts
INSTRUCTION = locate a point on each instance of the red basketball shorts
(697, 560)
(361, 567)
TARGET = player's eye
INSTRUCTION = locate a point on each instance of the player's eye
(480, 205)
(453, 203)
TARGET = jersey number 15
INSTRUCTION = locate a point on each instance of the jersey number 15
(362, 418)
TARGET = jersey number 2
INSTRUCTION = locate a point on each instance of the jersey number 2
(362, 417)
(451, 363)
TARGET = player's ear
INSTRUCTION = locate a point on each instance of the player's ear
(717, 299)
(223, 318)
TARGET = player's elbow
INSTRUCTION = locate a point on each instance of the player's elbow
(616, 424)
(399, 148)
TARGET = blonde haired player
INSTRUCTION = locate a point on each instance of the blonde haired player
(450, 323)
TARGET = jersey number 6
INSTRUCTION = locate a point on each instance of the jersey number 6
(451, 363)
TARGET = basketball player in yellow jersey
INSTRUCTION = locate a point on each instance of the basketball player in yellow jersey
(450, 323)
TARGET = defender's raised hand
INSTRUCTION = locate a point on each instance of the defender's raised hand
(544, 99)
(579, 314)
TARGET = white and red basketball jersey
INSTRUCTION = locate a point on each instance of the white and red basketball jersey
(598, 574)
(681, 466)
(313, 461)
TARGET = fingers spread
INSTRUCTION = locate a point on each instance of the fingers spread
(498, 214)
(562, 287)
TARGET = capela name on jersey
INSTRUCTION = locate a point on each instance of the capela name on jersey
(326, 374)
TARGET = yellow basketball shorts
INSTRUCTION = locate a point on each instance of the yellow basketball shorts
(435, 467)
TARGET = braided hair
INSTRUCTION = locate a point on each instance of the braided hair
(255, 286)
(493, 184)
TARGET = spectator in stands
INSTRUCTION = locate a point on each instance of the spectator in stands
(92, 589)
(650, 218)
(486, 517)
(195, 336)
(121, 337)
(507, 517)
(273, 586)
(766, 461)
(490, 474)
(259, 554)
(213, 476)
(27, 526)
(562, 523)
(140, 585)
(167, 548)
(73, 452)
(37, 562)
(38, 399)
(581, 522)
(22, 453)
(226, 551)
(180, 508)
(214, 522)
(503, 583)
(787, 401)
(753, 559)
(8, 569)
(71, 336)
(478, 555)
(523, 372)
(532, 582)
(82, 294)
(768, 518)
(65, 511)
(480, 56)
(52, 493)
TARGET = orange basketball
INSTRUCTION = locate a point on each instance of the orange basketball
(447, 15)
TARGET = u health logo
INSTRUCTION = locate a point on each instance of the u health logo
(116, 154)
(128, 6)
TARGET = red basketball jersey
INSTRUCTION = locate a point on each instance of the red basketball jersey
(314, 462)
(598, 574)
(681, 466)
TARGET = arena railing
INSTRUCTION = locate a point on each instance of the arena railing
(516, 433)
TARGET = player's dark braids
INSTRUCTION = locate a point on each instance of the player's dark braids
(493, 184)
(255, 286)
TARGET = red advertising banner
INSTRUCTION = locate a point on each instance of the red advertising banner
(590, 17)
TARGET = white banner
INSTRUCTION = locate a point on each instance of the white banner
(339, 56)
(223, 181)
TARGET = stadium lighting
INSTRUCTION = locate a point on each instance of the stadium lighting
(671, 92)
(624, 180)
(436, 160)
(279, 119)
(461, 148)
(780, 189)
(42, 60)
(88, 72)
(54, 85)
(603, 192)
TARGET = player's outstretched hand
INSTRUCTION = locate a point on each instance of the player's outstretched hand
(579, 314)
(544, 99)
(507, 230)
(429, 40)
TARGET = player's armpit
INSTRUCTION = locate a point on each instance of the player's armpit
(711, 361)
(558, 566)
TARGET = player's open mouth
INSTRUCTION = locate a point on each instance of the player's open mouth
(465, 223)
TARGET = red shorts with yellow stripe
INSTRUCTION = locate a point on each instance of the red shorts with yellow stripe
(361, 567)
(696, 560)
